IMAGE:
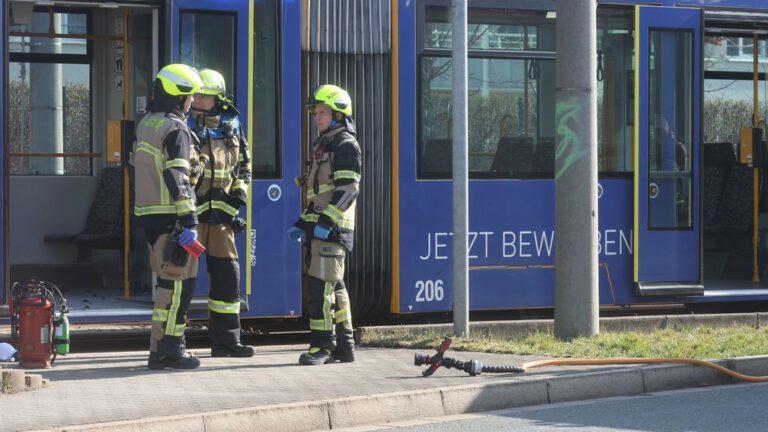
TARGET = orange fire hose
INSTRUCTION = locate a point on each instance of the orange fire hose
(475, 367)
(611, 361)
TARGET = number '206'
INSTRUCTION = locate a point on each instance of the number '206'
(428, 290)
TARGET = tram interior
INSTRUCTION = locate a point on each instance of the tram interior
(74, 73)
(734, 163)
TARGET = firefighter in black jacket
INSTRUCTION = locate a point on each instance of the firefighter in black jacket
(328, 225)
(221, 192)
(166, 168)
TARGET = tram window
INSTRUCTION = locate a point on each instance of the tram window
(63, 23)
(53, 94)
(728, 87)
(511, 106)
(511, 130)
(615, 88)
(199, 47)
(492, 29)
(49, 83)
(733, 53)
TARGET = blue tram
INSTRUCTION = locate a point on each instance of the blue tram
(681, 109)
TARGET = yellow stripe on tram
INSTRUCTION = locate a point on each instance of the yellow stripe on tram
(248, 258)
(636, 146)
(395, 303)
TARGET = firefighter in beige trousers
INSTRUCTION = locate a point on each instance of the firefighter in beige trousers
(328, 225)
(221, 192)
(166, 167)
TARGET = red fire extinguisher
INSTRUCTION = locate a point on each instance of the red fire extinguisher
(33, 306)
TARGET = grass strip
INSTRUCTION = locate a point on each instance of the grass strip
(696, 342)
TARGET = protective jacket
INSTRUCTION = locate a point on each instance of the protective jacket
(166, 166)
(332, 185)
(223, 187)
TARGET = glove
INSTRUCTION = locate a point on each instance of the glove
(321, 232)
(178, 256)
(238, 225)
(187, 237)
(295, 234)
(174, 254)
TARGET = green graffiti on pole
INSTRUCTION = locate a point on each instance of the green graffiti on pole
(570, 148)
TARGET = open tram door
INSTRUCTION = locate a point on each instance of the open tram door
(74, 73)
(667, 228)
(219, 35)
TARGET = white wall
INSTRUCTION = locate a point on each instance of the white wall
(46, 204)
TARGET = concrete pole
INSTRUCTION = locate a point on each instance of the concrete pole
(576, 253)
(460, 172)
(46, 107)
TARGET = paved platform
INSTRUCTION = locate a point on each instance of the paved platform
(381, 386)
(101, 387)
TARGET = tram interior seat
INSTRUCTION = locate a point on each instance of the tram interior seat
(727, 212)
(514, 155)
(727, 190)
(104, 224)
(718, 160)
(544, 156)
(437, 158)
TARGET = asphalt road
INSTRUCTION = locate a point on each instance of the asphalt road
(740, 407)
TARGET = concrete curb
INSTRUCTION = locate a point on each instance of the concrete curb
(16, 381)
(376, 409)
(611, 324)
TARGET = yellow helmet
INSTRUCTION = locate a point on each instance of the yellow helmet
(213, 83)
(179, 79)
(331, 96)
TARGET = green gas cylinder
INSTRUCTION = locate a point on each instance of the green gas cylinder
(61, 334)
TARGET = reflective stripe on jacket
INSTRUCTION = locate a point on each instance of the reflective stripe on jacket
(332, 185)
(223, 186)
(163, 156)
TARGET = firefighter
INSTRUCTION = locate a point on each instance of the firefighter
(166, 167)
(221, 192)
(328, 224)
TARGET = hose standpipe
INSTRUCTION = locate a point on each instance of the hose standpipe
(472, 367)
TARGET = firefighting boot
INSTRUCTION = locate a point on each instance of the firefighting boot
(345, 348)
(187, 361)
(316, 356)
(236, 350)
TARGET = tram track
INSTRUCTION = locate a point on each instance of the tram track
(261, 332)
(92, 338)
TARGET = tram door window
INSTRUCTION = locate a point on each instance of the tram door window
(265, 148)
(670, 127)
(208, 40)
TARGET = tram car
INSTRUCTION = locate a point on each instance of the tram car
(681, 150)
